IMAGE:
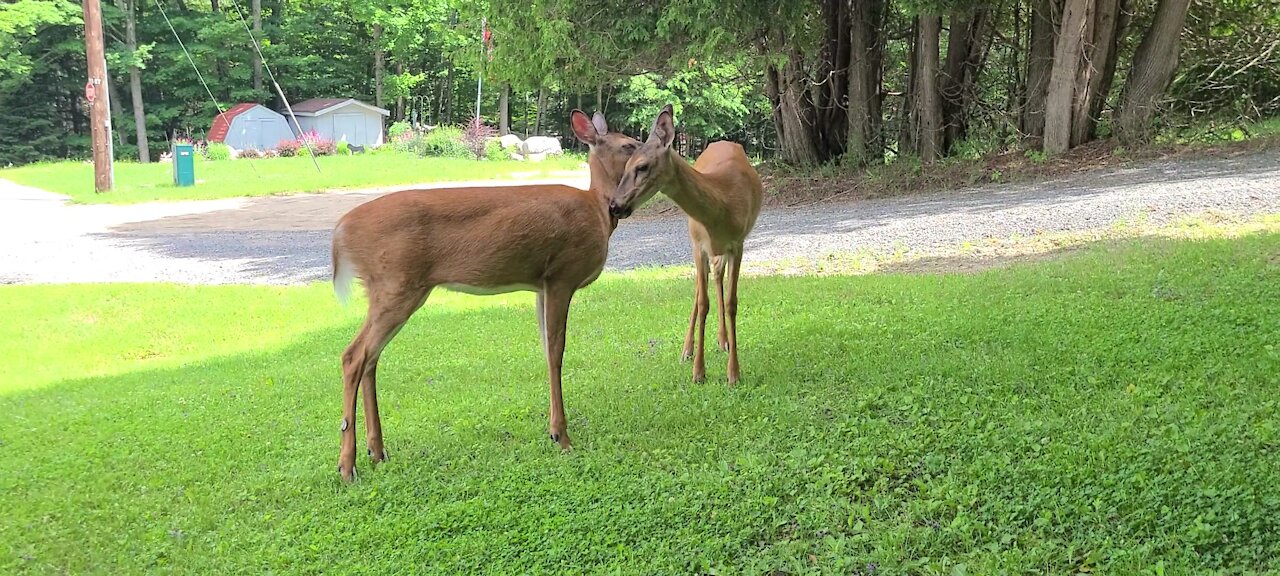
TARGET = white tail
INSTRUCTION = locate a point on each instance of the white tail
(721, 193)
(483, 240)
(343, 272)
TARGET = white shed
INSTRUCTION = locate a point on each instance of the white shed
(342, 119)
(248, 125)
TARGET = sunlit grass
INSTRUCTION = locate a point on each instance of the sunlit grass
(236, 178)
(1113, 412)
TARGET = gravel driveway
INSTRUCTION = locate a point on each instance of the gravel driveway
(285, 239)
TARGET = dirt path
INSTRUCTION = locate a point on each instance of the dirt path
(285, 240)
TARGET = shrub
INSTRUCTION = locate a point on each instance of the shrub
(344, 148)
(397, 129)
(317, 144)
(217, 151)
(288, 147)
(250, 153)
(493, 151)
(475, 136)
(446, 142)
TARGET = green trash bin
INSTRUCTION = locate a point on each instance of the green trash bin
(184, 165)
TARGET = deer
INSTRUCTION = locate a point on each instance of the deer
(721, 194)
(549, 239)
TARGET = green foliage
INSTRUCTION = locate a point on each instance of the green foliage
(147, 182)
(397, 130)
(444, 142)
(1112, 413)
(343, 148)
(217, 151)
(493, 151)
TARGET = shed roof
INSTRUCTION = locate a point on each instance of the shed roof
(319, 106)
(222, 122)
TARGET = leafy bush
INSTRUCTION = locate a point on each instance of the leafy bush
(250, 153)
(493, 151)
(317, 144)
(288, 147)
(398, 129)
(344, 148)
(476, 135)
(217, 151)
(446, 142)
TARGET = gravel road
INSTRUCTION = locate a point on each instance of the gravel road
(285, 239)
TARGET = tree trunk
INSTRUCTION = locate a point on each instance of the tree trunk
(865, 146)
(600, 98)
(1109, 66)
(793, 114)
(256, 7)
(1101, 44)
(1044, 35)
(504, 110)
(400, 98)
(542, 105)
(830, 90)
(1062, 83)
(1153, 66)
(447, 100)
(966, 46)
(907, 116)
(135, 78)
(117, 112)
(378, 64)
(928, 103)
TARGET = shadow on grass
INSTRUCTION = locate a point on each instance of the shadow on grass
(1114, 410)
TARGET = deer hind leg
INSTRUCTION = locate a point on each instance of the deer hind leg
(554, 306)
(722, 337)
(701, 308)
(735, 266)
(388, 312)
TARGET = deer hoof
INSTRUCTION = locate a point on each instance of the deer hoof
(348, 476)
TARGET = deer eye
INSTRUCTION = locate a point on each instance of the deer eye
(641, 169)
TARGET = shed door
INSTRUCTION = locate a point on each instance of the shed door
(349, 127)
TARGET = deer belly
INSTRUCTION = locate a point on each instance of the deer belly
(489, 290)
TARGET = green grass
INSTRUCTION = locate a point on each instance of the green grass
(236, 178)
(1114, 412)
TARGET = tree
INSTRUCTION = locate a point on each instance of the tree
(1153, 68)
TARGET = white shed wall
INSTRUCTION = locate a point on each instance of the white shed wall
(259, 128)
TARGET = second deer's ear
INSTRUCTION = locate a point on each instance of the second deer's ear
(602, 127)
(664, 127)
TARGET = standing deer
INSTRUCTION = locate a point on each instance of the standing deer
(549, 239)
(721, 193)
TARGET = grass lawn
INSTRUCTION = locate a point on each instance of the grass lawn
(235, 178)
(1112, 412)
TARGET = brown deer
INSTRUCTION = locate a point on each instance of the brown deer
(721, 193)
(550, 239)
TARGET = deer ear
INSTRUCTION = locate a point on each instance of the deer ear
(583, 127)
(597, 120)
(664, 127)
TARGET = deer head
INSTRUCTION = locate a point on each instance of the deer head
(609, 152)
(648, 168)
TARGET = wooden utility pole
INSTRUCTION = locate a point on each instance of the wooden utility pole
(98, 95)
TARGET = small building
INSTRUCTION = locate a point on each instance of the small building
(341, 119)
(248, 125)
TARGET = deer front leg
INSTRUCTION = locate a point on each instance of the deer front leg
(700, 311)
(555, 308)
(722, 337)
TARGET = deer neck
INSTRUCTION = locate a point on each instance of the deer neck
(602, 186)
(692, 191)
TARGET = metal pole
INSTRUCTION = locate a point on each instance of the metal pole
(100, 105)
